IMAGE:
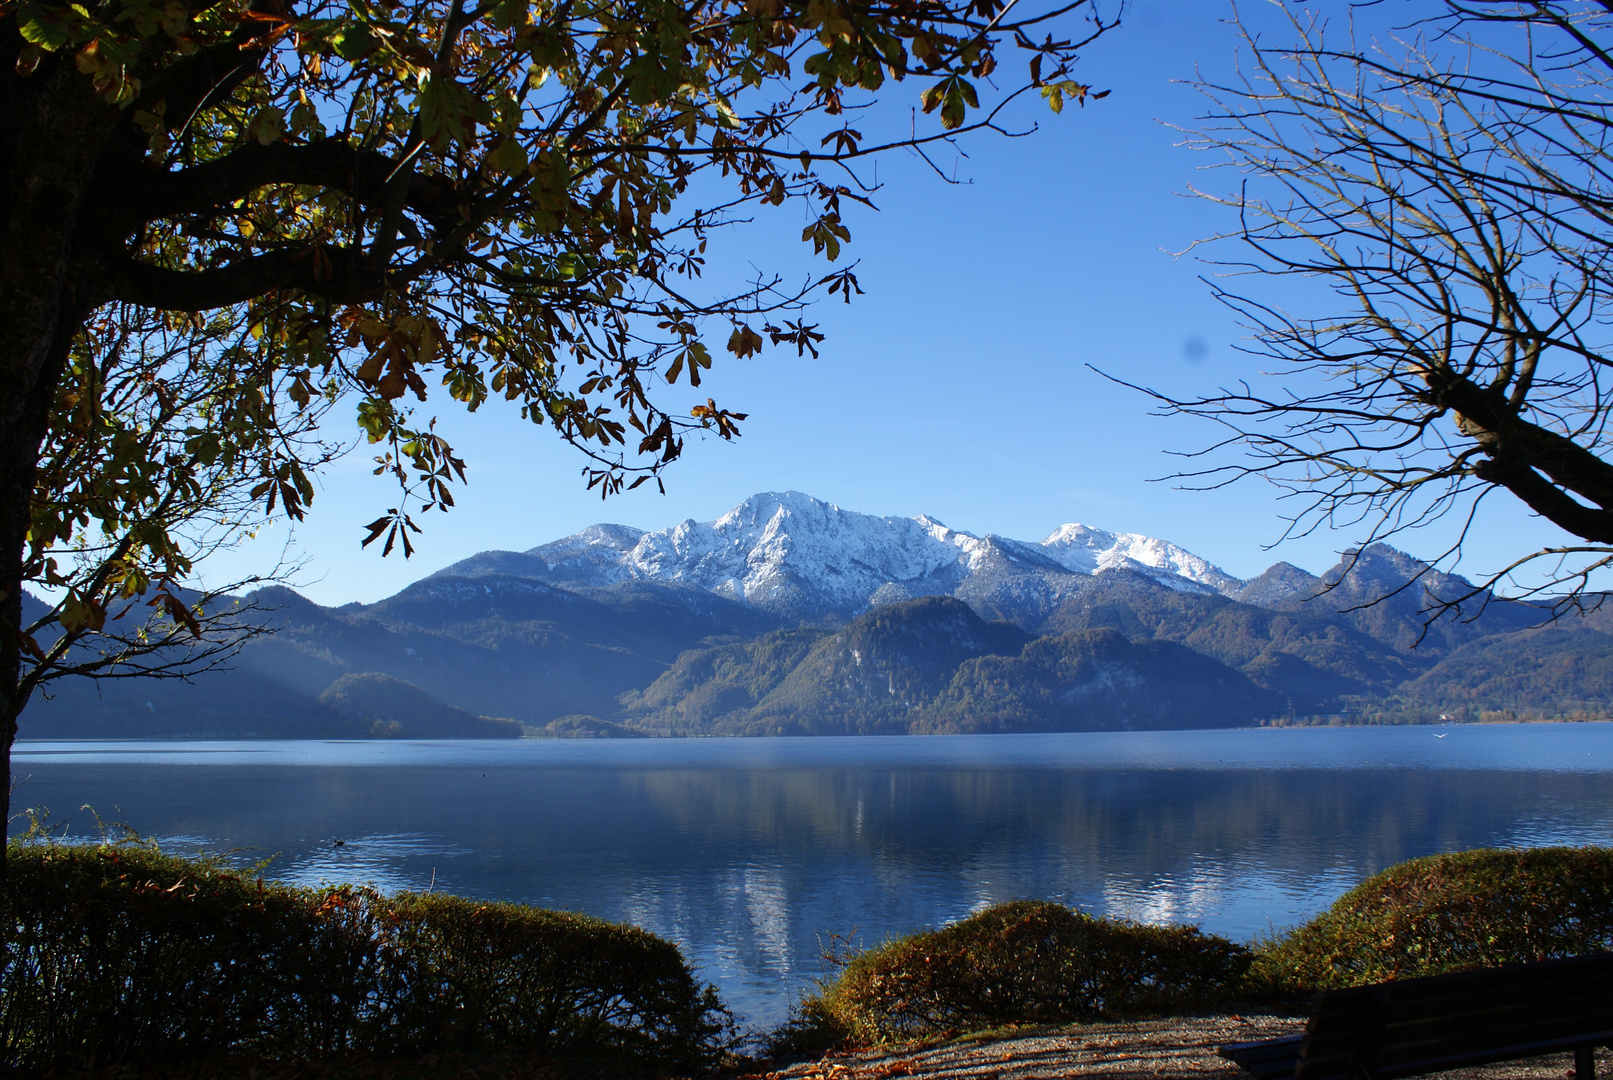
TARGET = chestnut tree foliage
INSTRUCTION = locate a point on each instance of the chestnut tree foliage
(1423, 254)
(221, 219)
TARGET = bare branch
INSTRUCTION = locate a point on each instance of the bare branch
(1455, 198)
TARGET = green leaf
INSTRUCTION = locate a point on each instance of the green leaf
(353, 42)
(305, 122)
(447, 111)
(49, 34)
(268, 126)
(507, 157)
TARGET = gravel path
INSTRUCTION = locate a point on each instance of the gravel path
(1179, 1047)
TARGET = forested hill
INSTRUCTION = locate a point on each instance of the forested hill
(1004, 638)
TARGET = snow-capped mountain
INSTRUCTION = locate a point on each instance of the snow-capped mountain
(805, 558)
(789, 615)
(1088, 551)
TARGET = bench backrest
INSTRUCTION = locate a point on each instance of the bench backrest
(1415, 1026)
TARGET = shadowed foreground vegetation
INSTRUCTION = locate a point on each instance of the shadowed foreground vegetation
(126, 959)
(1026, 962)
(1467, 909)
(122, 955)
(1034, 962)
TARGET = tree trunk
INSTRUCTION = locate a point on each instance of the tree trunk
(53, 131)
(19, 456)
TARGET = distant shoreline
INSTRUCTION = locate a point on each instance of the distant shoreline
(1275, 725)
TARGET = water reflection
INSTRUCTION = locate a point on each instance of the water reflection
(751, 867)
(375, 860)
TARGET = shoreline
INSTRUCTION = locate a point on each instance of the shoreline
(1278, 725)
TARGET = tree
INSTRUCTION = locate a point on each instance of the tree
(168, 437)
(1450, 187)
(386, 199)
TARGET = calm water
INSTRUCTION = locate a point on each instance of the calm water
(750, 853)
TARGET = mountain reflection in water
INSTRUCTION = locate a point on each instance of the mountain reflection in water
(750, 866)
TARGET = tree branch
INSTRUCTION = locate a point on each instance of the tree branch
(330, 163)
(348, 279)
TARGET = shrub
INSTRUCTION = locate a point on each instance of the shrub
(1449, 913)
(467, 976)
(1024, 962)
(121, 954)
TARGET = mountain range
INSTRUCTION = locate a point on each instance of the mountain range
(790, 615)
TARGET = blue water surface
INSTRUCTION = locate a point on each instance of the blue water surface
(753, 853)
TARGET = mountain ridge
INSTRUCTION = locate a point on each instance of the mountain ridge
(791, 615)
(806, 558)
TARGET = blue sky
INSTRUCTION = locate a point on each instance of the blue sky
(958, 386)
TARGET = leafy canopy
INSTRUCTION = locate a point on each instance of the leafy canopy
(298, 203)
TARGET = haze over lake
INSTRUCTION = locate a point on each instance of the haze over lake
(751, 852)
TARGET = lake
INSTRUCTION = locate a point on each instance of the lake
(752, 853)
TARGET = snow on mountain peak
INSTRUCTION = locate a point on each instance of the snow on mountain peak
(793, 551)
(1087, 551)
(594, 553)
(790, 552)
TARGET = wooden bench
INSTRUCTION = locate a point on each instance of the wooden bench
(1411, 1027)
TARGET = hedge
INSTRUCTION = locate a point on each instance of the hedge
(1444, 913)
(1024, 962)
(120, 954)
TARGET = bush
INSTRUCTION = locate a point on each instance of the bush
(121, 954)
(1446, 913)
(1024, 962)
(467, 976)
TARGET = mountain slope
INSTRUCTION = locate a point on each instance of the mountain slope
(1121, 651)
(808, 560)
(1095, 680)
(398, 709)
(866, 678)
(791, 615)
(491, 645)
(714, 689)
(1552, 671)
(933, 665)
(886, 665)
